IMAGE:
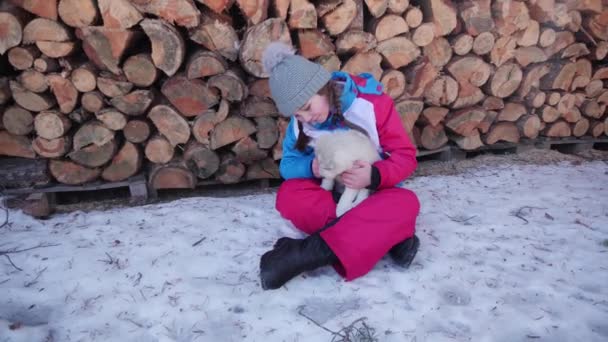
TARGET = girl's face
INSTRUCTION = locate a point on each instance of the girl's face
(316, 110)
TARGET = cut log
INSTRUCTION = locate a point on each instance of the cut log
(532, 79)
(302, 15)
(247, 151)
(603, 98)
(339, 19)
(580, 128)
(265, 169)
(255, 107)
(219, 6)
(56, 49)
(593, 89)
(424, 34)
(93, 155)
(529, 55)
(600, 74)
(168, 47)
(352, 42)
(134, 103)
(113, 85)
(503, 50)
(260, 88)
(178, 12)
(471, 70)
(439, 52)
(119, 14)
(15, 146)
(84, 78)
(364, 62)
(464, 122)
(433, 137)
(140, 70)
(267, 132)
(600, 50)
(92, 133)
(560, 76)
(314, 44)
(597, 25)
(137, 131)
(46, 30)
(502, 131)
(230, 170)
(217, 34)
(326, 6)
(17, 121)
(331, 62)
(433, 115)
(547, 37)
(191, 97)
(42, 8)
(170, 124)
(393, 82)
(205, 63)
(510, 16)
(256, 39)
(22, 57)
(576, 21)
(469, 143)
(550, 114)
(476, 16)
(442, 14)
(53, 148)
(542, 11)
(230, 130)
(529, 126)
(80, 116)
(93, 101)
(30, 100)
(33, 80)
(64, 91)
(506, 80)
(174, 175)
(493, 103)
(536, 98)
(597, 128)
(512, 112)
(409, 112)
(78, 13)
(442, 91)
(68, 172)
(12, 31)
(483, 43)
(530, 35)
(553, 98)
(112, 119)
(203, 161)
(277, 150)
(254, 11)
(579, 82)
(45, 64)
(377, 8)
(558, 129)
(104, 46)
(51, 125)
(420, 77)
(230, 85)
(204, 123)
(397, 52)
(126, 163)
(414, 17)
(462, 44)
(591, 109)
(487, 122)
(358, 22)
(389, 26)
(563, 39)
(159, 150)
(398, 6)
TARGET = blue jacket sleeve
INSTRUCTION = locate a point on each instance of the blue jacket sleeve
(295, 163)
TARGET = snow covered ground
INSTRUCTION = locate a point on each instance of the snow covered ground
(516, 253)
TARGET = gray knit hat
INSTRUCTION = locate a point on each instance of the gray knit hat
(293, 79)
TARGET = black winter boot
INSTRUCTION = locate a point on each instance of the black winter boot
(291, 257)
(404, 252)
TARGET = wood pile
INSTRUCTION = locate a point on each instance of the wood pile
(105, 89)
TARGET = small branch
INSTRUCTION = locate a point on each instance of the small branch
(461, 220)
(11, 261)
(588, 35)
(198, 242)
(14, 251)
(28, 284)
(317, 324)
(520, 212)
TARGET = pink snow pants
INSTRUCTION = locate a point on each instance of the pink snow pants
(364, 234)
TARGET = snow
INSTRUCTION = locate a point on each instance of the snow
(482, 273)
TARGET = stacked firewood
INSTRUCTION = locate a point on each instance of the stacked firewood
(108, 88)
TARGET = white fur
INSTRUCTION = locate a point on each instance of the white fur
(337, 152)
(274, 54)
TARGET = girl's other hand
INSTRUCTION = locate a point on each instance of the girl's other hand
(315, 167)
(359, 176)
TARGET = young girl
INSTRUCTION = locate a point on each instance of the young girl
(317, 102)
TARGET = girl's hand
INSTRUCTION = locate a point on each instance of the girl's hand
(315, 168)
(359, 176)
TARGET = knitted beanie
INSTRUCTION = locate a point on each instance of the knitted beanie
(293, 79)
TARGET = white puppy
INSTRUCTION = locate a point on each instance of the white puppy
(336, 152)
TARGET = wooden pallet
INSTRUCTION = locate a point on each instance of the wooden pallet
(137, 187)
(213, 184)
(441, 154)
(572, 145)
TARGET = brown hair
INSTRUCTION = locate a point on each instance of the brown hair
(333, 92)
